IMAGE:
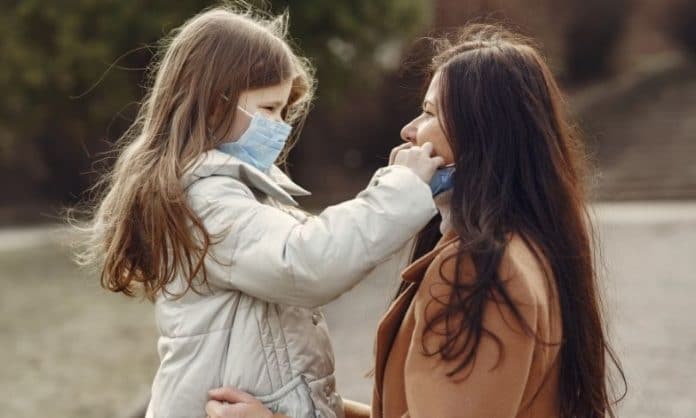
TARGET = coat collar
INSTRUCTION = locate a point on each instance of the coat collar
(414, 272)
(392, 319)
(275, 183)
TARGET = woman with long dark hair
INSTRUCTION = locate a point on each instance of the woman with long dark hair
(499, 315)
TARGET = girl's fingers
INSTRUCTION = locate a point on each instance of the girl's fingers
(214, 409)
(428, 148)
(438, 161)
(396, 150)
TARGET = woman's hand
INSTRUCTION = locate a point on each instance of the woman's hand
(418, 159)
(233, 403)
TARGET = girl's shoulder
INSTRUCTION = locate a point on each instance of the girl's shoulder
(217, 185)
(217, 189)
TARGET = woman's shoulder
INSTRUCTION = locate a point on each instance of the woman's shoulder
(523, 270)
(526, 272)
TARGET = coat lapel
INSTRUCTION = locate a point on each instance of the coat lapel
(386, 332)
(391, 321)
(415, 271)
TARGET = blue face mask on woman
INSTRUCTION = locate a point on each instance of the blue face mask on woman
(261, 144)
(443, 180)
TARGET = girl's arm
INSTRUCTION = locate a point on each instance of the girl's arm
(267, 253)
(492, 386)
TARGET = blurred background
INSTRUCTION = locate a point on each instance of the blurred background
(71, 73)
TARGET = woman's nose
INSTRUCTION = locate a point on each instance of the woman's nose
(408, 133)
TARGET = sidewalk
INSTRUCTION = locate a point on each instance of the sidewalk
(15, 239)
(78, 351)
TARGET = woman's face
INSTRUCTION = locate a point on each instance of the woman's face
(426, 127)
(268, 101)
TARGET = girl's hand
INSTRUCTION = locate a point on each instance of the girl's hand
(233, 403)
(396, 149)
(419, 159)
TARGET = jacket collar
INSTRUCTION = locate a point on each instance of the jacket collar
(275, 183)
(414, 272)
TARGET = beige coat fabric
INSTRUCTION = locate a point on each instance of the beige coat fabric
(524, 384)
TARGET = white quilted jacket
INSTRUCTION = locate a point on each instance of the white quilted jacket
(259, 327)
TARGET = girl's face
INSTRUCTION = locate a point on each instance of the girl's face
(268, 101)
(426, 127)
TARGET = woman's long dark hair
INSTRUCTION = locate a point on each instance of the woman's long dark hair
(520, 171)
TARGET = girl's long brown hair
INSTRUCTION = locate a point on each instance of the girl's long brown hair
(141, 229)
(520, 171)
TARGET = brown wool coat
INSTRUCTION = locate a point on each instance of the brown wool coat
(523, 383)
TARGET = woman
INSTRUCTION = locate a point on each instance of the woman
(501, 317)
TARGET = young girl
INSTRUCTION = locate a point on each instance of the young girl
(197, 217)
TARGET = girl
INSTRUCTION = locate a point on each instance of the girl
(196, 216)
(499, 314)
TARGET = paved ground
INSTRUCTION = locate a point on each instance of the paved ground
(72, 349)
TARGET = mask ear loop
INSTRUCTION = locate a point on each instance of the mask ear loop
(246, 112)
(227, 99)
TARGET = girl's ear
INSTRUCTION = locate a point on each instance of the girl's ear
(217, 112)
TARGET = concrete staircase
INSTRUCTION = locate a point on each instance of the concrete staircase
(643, 133)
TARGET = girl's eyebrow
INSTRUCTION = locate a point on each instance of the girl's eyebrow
(428, 102)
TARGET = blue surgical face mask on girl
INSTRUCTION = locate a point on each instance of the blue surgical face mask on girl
(262, 142)
(443, 180)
